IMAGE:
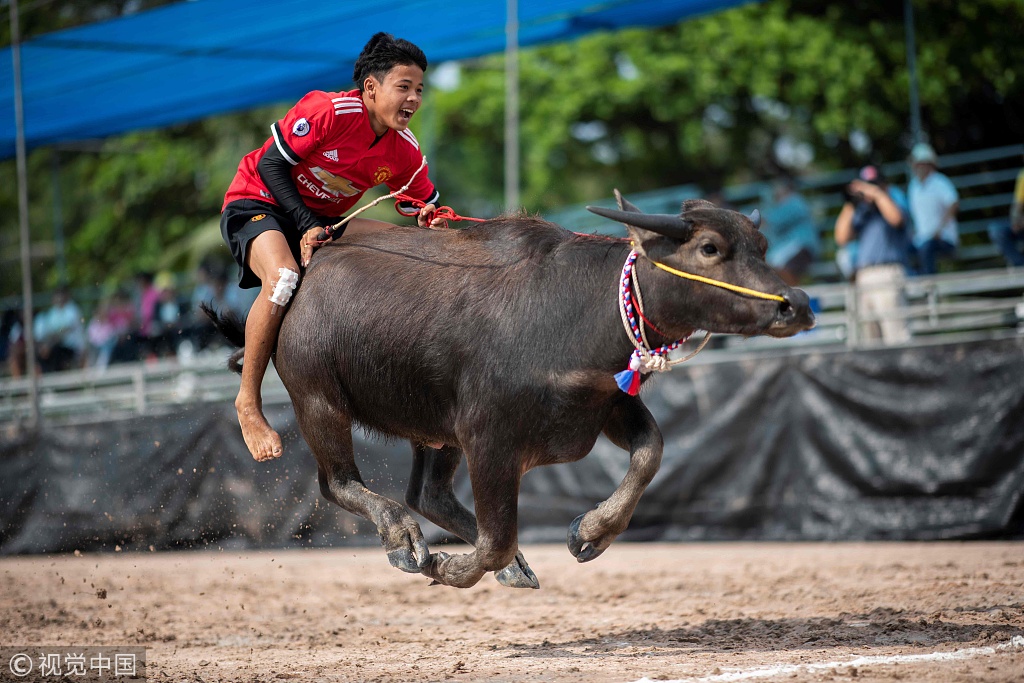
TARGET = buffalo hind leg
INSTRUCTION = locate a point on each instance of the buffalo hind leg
(631, 427)
(495, 477)
(328, 431)
(431, 494)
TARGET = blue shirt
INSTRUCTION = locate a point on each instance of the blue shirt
(929, 203)
(878, 242)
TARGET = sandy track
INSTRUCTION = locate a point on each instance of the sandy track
(658, 611)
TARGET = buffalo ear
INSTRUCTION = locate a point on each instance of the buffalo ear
(624, 204)
(638, 236)
(635, 234)
(694, 204)
(755, 218)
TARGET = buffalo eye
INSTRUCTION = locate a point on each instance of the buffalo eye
(708, 249)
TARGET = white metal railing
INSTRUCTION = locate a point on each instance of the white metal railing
(131, 389)
(970, 305)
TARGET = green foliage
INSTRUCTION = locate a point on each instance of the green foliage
(706, 101)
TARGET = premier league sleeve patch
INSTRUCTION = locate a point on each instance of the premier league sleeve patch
(300, 128)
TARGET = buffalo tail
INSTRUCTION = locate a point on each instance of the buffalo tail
(232, 329)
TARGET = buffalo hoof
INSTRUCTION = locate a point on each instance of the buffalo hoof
(518, 574)
(405, 560)
(437, 559)
(403, 542)
(582, 550)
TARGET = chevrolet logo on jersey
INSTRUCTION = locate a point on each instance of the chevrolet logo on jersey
(336, 185)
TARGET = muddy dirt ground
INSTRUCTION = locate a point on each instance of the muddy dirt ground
(707, 612)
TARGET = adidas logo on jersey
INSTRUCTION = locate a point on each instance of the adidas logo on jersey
(331, 154)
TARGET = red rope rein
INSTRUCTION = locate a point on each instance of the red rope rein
(446, 213)
(636, 307)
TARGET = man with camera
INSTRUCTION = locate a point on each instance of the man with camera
(875, 214)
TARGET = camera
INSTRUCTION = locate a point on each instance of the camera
(850, 196)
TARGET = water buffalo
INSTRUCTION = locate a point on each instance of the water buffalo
(502, 341)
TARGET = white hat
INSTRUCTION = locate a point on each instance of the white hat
(922, 153)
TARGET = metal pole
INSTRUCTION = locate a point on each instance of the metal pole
(915, 102)
(26, 245)
(58, 219)
(512, 105)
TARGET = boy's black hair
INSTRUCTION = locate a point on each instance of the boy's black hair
(382, 53)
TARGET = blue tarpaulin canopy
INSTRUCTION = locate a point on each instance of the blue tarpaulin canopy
(190, 60)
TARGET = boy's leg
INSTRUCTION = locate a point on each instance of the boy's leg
(268, 253)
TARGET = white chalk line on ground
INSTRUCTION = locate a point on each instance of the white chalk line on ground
(1015, 643)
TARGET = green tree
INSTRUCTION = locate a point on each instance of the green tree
(715, 100)
(710, 100)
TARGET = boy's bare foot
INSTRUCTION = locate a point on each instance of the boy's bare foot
(263, 442)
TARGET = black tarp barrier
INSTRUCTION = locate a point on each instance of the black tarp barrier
(911, 444)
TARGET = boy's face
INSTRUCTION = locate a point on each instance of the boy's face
(392, 103)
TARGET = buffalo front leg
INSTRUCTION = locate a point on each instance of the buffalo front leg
(495, 478)
(431, 494)
(631, 427)
(328, 432)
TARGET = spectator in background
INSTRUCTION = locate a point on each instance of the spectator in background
(7, 323)
(167, 325)
(875, 214)
(933, 206)
(793, 241)
(1010, 236)
(148, 299)
(212, 288)
(14, 336)
(158, 313)
(60, 334)
(109, 328)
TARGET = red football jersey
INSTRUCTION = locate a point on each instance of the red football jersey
(336, 156)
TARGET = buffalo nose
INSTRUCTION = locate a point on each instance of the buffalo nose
(796, 308)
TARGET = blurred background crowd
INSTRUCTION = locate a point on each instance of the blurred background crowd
(154, 317)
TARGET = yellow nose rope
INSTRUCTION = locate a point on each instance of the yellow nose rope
(717, 283)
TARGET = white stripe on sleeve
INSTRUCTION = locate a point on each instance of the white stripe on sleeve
(281, 146)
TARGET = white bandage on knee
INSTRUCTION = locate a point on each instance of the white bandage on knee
(285, 286)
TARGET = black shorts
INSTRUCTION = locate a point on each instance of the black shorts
(244, 219)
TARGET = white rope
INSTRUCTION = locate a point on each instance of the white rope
(640, 306)
(377, 201)
(650, 362)
(700, 347)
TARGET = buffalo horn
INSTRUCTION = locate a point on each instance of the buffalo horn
(755, 218)
(663, 224)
